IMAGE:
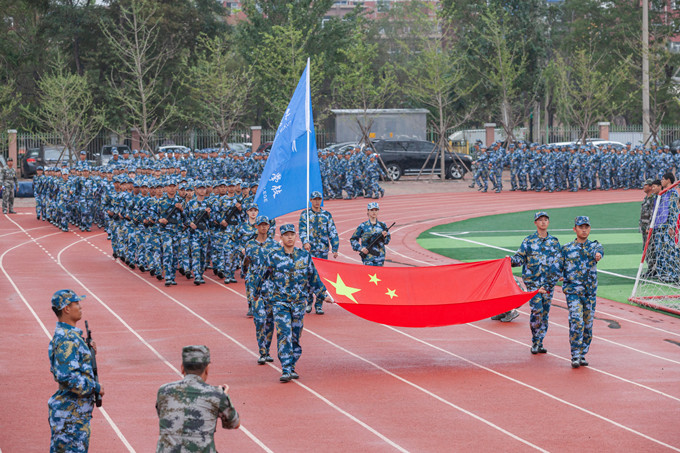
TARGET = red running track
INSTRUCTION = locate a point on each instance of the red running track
(363, 386)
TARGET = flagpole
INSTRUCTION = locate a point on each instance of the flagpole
(308, 102)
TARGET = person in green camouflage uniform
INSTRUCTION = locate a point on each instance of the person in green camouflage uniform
(8, 180)
(188, 409)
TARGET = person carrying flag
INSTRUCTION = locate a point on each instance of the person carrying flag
(539, 257)
(286, 279)
(316, 236)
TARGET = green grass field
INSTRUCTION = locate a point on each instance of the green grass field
(614, 225)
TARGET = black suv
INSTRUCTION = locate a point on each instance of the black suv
(408, 156)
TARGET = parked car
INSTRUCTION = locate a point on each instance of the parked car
(408, 156)
(105, 155)
(265, 147)
(341, 147)
(173, 149)
(29, 163)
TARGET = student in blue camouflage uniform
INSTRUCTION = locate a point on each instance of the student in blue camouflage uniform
(198, 218)
(539, 257)
(70, 408)
(188, 409)
(363, 234)
(579, 269)
(170, 212)
(288, 274)
(319, 239)
(244, 233)
(255, 256)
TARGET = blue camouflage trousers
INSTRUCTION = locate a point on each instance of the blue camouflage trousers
(69, 433)
(581, 316)
(199, 251)
(263, 317)
(169, 252)
(540, 310)
(288, 318)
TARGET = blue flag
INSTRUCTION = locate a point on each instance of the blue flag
(292, 171)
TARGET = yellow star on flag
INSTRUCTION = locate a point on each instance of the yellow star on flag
(374, 279)
(341, 289)
(392, 293)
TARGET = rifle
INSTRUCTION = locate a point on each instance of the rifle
(197, 220)
(231, 212)
(88, 340)
(376, 240)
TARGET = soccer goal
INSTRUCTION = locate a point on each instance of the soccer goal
(657, 283)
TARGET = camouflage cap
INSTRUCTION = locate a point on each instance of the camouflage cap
(288, 227)
(250, 206)
(195, 355)
(540, 214)
(262, 219)
(649, 182)
(373, 205)
(581, 220)
(64, 297)
(315, 194)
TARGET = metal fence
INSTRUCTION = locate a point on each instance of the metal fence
(194, 139)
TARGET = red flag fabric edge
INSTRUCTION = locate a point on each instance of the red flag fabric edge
(424, 296)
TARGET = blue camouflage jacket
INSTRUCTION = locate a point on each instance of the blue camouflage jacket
(288, 277)
(322, 231)
(71, 366)
(540, 260)
(579, 267)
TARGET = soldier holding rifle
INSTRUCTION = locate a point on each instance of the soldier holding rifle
(73, 366)
(371, 237)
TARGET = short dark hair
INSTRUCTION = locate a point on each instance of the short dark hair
(57, 311)
(195, 368)
(669, 176)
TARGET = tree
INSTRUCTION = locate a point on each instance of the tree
(502, 65)
(278, 63)
(584, 88)
(361, 84)
(136, 84)
(66, 107)
(437, 78)
(219, 84)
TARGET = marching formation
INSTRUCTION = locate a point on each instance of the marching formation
(555, 168)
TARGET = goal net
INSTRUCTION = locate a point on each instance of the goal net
(657, 284)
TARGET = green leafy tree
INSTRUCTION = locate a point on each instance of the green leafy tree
(362, 84)
(149, 104)
(278, 63)
(66, 108)
(437, 77)
(502, 66)
(584, 87)
(218, 84)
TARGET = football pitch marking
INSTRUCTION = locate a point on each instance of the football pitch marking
(448, 236)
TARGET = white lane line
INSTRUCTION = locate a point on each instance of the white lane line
(49, 335)
(606, 373)
(153, 350)
(20, 232)
(134, 332)
(608, 314)
(249, 351)
(536, 389)
(429, 393)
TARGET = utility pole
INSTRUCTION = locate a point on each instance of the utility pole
(645, 71)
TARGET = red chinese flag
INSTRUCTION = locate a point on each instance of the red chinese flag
(423, 296)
